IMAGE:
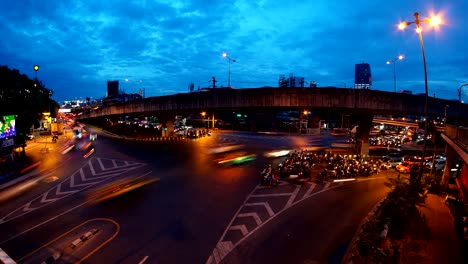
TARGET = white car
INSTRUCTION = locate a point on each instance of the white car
(393, 159)
(439, 164)
(93, 136)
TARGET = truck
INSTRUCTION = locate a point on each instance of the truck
(56, 128)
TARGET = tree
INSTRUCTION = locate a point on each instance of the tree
(26, 99)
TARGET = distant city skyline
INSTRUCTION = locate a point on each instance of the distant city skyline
(163, 46)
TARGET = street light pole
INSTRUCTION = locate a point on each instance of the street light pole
(229, 67)
(434, 21)
(394, 77)
(400, 57)
(459, 107)
(204, 120)
(445, 116)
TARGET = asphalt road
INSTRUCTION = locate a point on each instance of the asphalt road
(197, 211)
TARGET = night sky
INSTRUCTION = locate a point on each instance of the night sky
(162, 46)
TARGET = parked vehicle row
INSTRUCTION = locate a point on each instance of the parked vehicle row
(403, 163)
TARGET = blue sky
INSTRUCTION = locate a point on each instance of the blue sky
(163, 46)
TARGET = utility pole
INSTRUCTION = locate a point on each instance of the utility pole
(214, 82)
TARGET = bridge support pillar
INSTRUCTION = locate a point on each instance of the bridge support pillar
(451, 156)
(167, 122)
(362, 134)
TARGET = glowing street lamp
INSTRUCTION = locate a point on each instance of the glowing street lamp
(400, 57)
(303, 115)
(205, 120)
(36, 68)
(225, 55)
(434, 22)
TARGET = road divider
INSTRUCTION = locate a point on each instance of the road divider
(84, 238)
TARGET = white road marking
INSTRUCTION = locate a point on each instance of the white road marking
(266, 205)
(271, 195)
(50, 219)
(223, 248)
(311, 188)
(293, 196)
(44, 200)
(253, 215)
(242, 228)
(143, 260)
(40, 224)
(59, 191)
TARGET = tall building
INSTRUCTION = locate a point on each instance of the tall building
(112, 88)
(292, 81)
(362, 76)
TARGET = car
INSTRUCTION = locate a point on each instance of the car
(118, 187)
(393, 159)
(277, 153)
(385, 165)
(87, 149)
(404, 167)
(235, 158)
(92, 136)
(439, 164)
(224, 148)
(68, 146)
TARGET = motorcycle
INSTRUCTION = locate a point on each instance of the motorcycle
(268, 178)
(265, 177)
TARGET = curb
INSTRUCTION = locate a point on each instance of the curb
(352, 244)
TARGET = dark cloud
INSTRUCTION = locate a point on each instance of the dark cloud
(162, 46)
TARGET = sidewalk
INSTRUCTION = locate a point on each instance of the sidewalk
(20, 169)
(431, 237)
(440, 244)
(23, 168)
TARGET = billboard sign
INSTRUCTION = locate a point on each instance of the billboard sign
(7, 126)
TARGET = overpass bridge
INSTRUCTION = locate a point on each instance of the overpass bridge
(401, 123)
(363, 104)
(349, 100)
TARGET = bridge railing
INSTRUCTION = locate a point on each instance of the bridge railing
(458, 134)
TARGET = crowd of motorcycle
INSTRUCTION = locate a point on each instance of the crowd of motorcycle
(197, 133)
(325, 165)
